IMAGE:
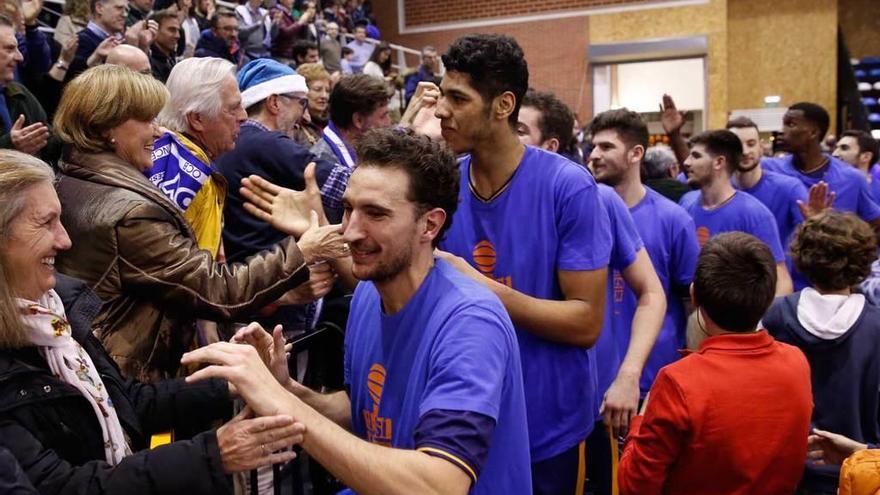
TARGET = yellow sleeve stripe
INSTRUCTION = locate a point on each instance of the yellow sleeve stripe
(455, 460)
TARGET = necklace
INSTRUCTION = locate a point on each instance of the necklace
(719, 205)
(824, 162)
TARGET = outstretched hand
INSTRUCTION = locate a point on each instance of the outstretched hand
(285, 209)
(824, 447)
(818, 200)
(271, 348)
(671, 118)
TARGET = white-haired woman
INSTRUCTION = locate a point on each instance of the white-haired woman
(132, 243)
(73, 423)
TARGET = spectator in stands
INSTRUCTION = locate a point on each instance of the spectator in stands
(221, 40)
(717, 207)
(163, 51)
(84, 428)
(837, 331)
(204, 11)
(804, 126)
(189, 28)
(106, 29)
(25, 127)
(429, 71)
(311, 126)
(75, 18)
(733, 416)
(142, 237)
(380, 67)
(275, 97)
(861, 150)
(659, 172)
(361, 48)
(286, 30)
(358, 103)
(345, 63)
(129, 56)
(441, 403)
(138, 10)
(256, 29)
(305, 52)
(33, 44)
(331, 49)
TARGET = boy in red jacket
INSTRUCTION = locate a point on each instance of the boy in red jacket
(733, 416)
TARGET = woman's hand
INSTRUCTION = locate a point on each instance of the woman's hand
(285, 209)
(824, 447)
(247, 443)
(271, 348)
(241, 366)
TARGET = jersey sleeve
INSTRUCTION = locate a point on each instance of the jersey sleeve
(469, 363)
(460, 437)
(626, 240)
(685, 251)
(584, 229)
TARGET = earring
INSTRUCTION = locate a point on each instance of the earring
(112, 142)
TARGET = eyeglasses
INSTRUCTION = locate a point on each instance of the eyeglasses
(301, 99)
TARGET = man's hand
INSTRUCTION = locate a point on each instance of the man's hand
(68, 51)
(30, 139)
(247, 443)
(462, 266)
(824, 447)
(322, 243)
(621, 403)
(670, 117)
(271, 348)
(284, 209)
(321, 279)
(818, 200)
(30, 9)
(100, 54)
(419, 115)
(241, 366)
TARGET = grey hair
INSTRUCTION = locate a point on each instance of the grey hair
(194, 85)
(658, 159)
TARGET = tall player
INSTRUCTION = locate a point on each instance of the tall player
(531, 227)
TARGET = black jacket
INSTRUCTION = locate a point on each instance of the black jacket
(214, 46)
(52, 430)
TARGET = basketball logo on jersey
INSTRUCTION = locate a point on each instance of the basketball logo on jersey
(484, 260)
(702, 235)
(379, 430)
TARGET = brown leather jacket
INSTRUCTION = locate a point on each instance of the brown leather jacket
(133, 247)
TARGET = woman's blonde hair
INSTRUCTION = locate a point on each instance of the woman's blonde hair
(102, 98)
(19, 172)
(313, 72)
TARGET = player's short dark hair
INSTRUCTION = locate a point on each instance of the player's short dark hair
(432, 169)
(721, 142)
(814, 114)
(495, 64)
(834, 250)
(735, 280)
(301, 48)
(556, 120)
(628, 124)
(358, 93)
(867, 143)
(742, 122)
(346, 51)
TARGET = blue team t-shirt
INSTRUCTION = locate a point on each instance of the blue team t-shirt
(671, 241)
(627, 244)
(452, 348)
(742, 213)
(548, 218)
(849, 184)
(780, 194)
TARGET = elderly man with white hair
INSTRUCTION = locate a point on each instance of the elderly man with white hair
(202, 117)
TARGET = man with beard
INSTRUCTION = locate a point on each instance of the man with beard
(431, 358)
(717, 207)
(531, 227)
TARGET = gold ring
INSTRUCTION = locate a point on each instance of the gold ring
(263, 449)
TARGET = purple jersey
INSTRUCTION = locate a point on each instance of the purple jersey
(780, 194)
(451, 348)
(849, 185)
(741, 213)
(547, 219)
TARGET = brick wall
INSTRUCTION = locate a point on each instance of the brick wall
(425, 12)
(556, 51)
